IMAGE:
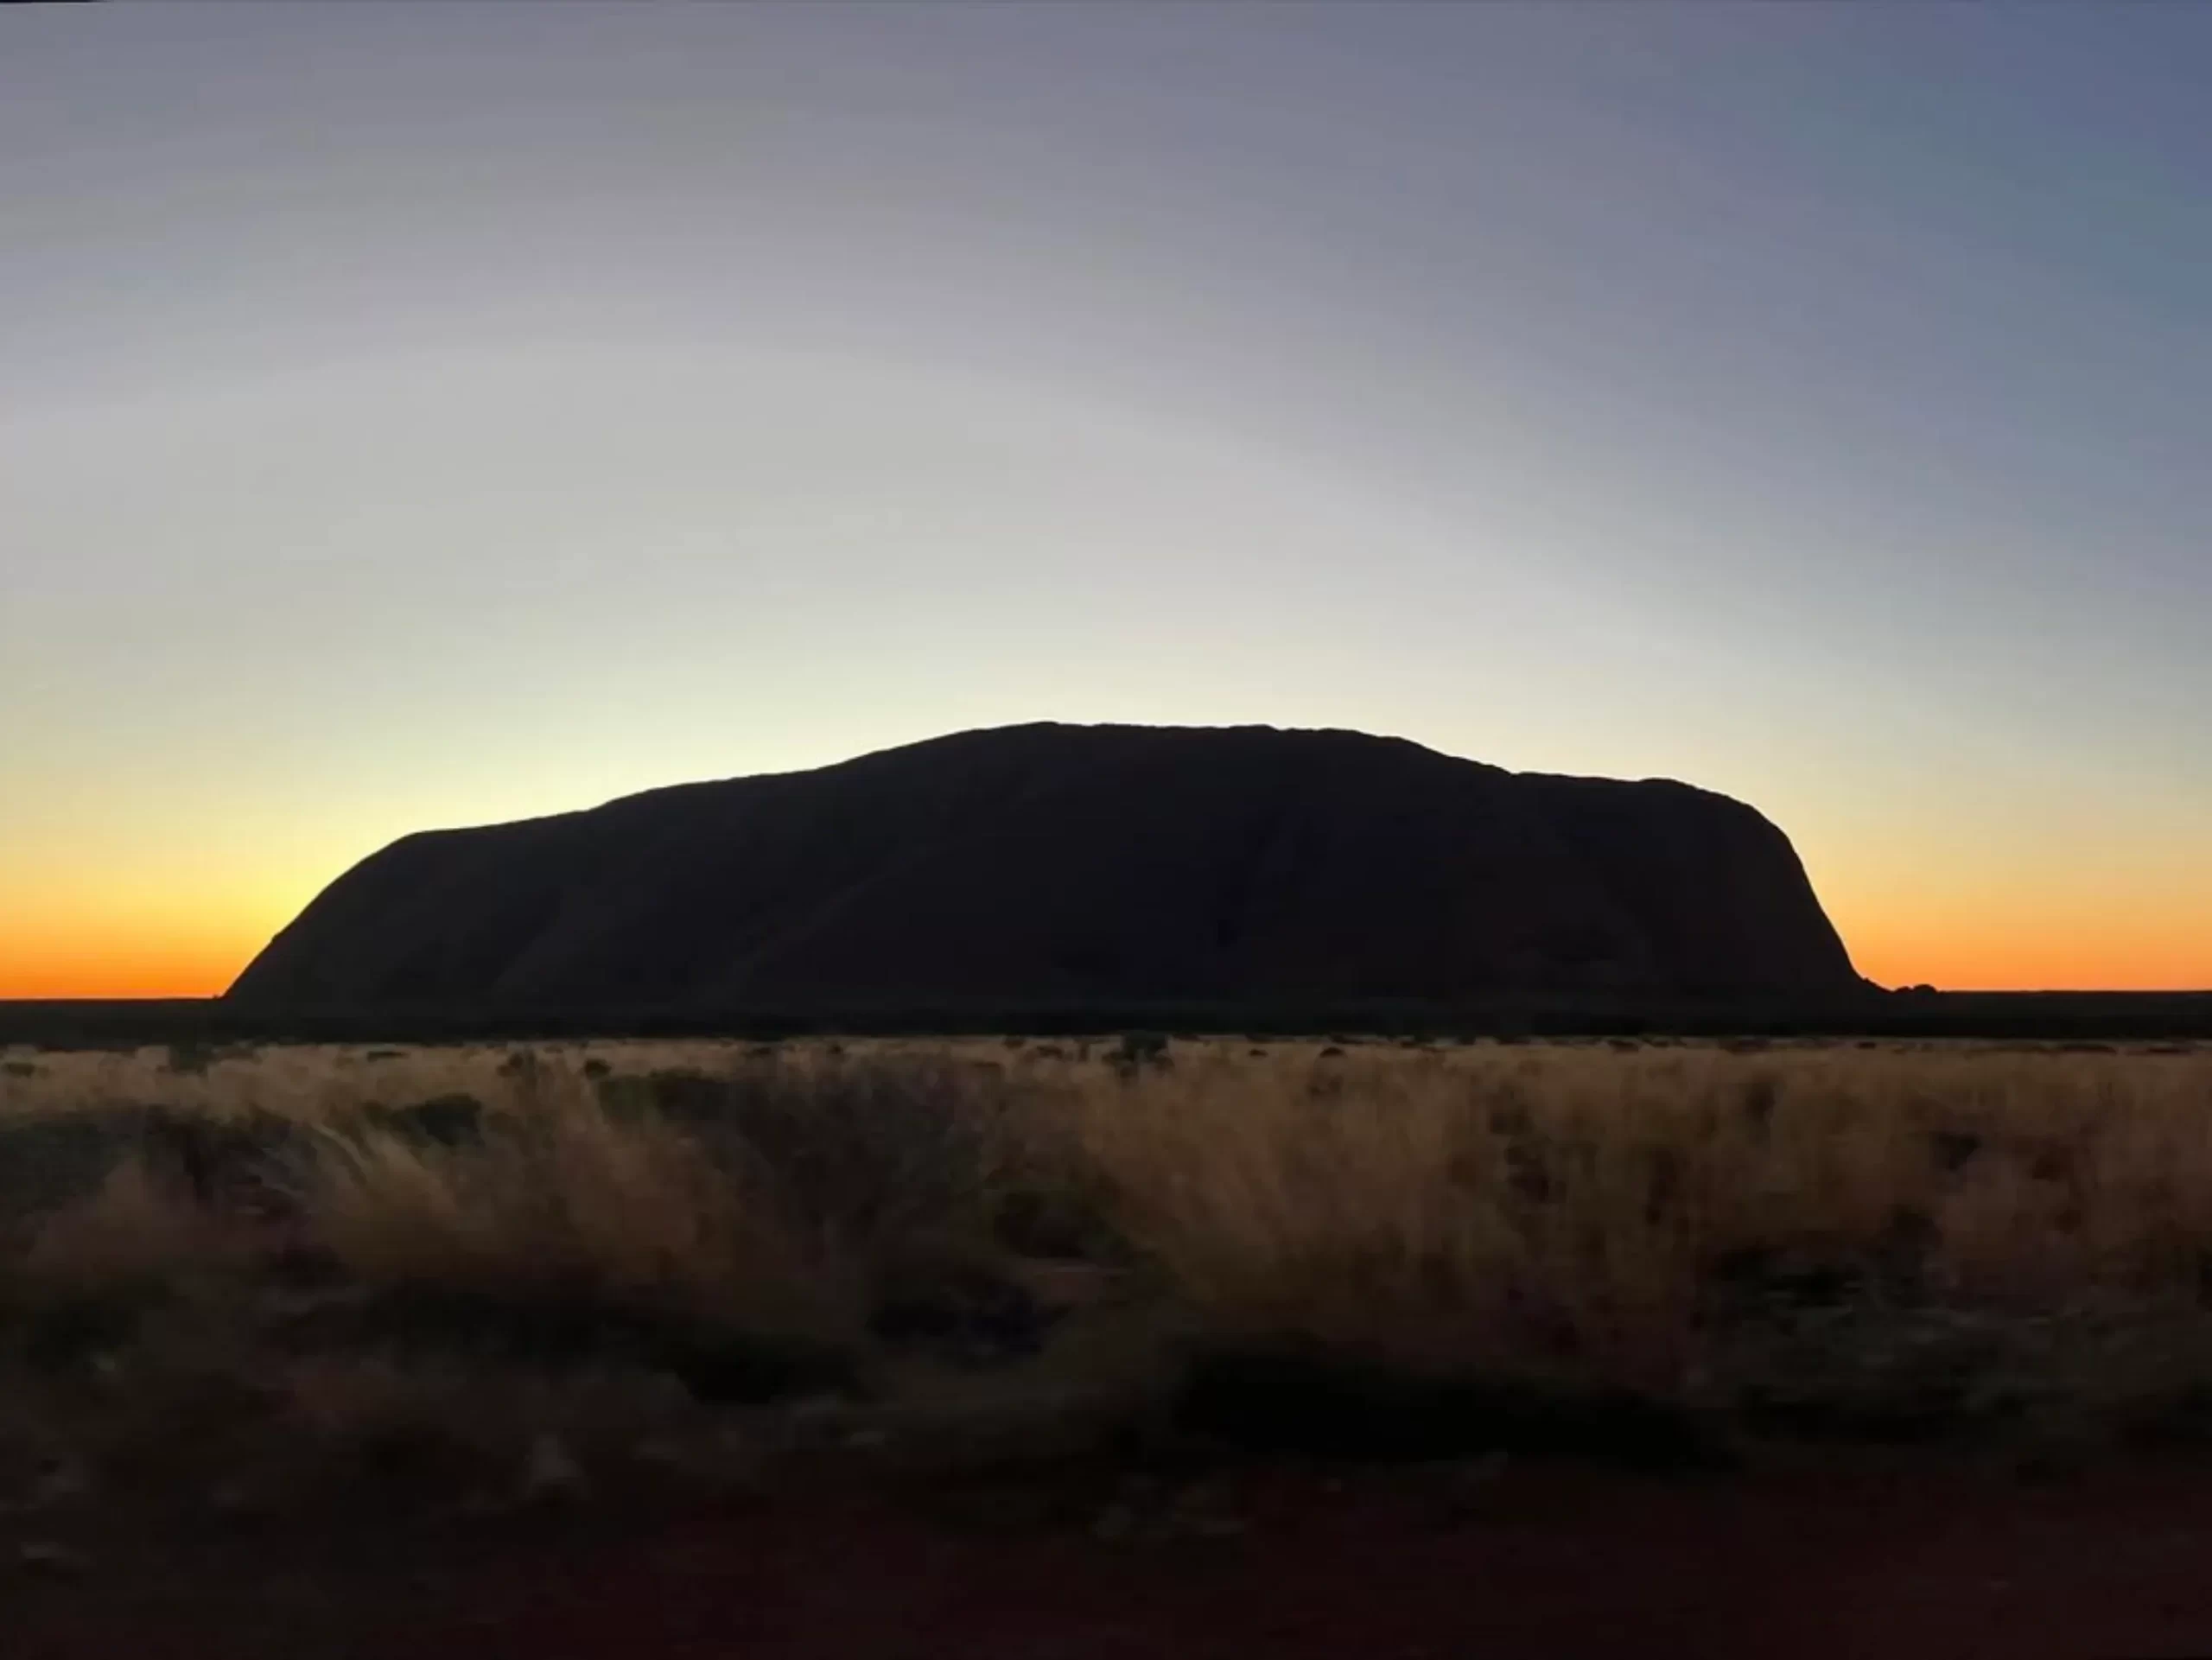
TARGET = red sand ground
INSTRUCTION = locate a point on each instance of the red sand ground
(1537, 1562)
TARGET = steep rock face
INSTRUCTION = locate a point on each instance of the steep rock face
(1037, 866)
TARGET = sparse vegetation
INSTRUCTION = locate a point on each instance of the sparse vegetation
(1469, 1243)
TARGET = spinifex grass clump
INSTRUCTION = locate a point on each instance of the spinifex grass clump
(926, 1177)
(1594, 1218)
(562, 1203)
(790, 1213)
(1443, 1218)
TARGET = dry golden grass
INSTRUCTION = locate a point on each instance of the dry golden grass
(1526, 1205)
(133, 1229)
(562, 1200)
(1607, 1215)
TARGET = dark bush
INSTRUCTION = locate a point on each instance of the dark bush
(1318, 1404)
(51, 1159)
(190, 1057)
(445, 1120)
(238, 1165)
(571, 1327)
(521, 1064)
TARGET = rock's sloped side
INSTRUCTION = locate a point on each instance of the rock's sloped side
(1038, 866)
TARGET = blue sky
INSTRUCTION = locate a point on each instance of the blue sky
(429, 415)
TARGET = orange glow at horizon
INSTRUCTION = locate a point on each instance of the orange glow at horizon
(107, 963)
(2071, 963)
(182, 933)
(1999, 939)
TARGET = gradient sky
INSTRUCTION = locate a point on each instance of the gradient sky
(415, 416)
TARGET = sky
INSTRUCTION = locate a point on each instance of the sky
(421, 416)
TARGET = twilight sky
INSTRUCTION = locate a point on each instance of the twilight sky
(415, 416)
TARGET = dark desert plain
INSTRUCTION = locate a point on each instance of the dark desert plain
(941, 829)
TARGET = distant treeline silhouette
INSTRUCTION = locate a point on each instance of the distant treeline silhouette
(2013, 1016)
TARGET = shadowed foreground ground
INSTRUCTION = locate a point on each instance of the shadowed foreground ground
(1528, 1561)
